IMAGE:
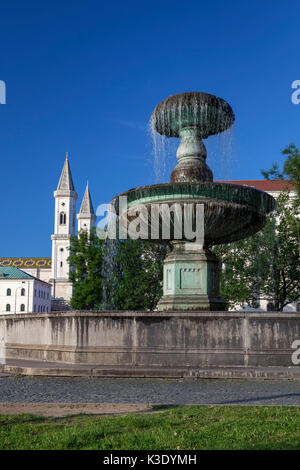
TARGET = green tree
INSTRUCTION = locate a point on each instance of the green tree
(86, 271)
(291, 167)
(267, 264)
(138, 275)
(115, 274)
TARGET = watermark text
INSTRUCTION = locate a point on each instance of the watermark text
(2, 92)
(296, 94)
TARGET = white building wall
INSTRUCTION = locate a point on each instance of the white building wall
(44, 274)
(65, 203)
(86, 222)
(36, 298)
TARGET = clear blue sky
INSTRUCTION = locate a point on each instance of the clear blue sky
(84, 77)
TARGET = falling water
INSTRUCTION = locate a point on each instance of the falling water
(220, 155)
(109, 252)
(164, 156)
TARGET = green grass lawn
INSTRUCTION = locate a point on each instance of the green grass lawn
(178, 427)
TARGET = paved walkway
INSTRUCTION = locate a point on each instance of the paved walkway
(68, 383)
(17, 389)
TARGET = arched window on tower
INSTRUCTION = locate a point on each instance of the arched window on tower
(23, 292)
(62, 218)
(8, 307)
(8, 292)
(22, 308)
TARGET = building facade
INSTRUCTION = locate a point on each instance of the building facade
(55, 270)
(21, 292)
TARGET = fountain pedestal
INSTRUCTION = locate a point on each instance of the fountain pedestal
(191, 279)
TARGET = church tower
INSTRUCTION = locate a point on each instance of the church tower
(64, 228)
(86, 217)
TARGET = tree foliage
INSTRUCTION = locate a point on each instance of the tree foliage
(138, 274)
(115, 274)
(85, 261)
(291, 167)
(267, 264)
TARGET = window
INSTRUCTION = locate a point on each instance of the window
(8, 307)
(62, 218)
(23, 292)
(8, 292)
(22, 308)
(61, 264)
(270, 307)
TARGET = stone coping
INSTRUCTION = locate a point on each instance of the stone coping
(54, 369)
(153, 314)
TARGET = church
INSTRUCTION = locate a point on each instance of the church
(55, 270)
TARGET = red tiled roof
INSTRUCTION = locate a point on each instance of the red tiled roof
(263, 185)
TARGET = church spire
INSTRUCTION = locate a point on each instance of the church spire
(64, 229)
(86, 216)
(87, 205)
(66, 180)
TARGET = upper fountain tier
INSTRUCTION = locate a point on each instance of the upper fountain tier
(208, 113)
(231, 212)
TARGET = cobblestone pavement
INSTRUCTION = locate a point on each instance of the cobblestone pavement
(16, 389)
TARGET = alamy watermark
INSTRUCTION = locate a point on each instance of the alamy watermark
(158, 221)
(295, 97)
(296, 353)
(2, 92)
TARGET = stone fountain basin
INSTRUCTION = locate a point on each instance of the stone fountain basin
(231, 212)
(208, 113)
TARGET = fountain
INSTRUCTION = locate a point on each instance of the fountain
(229, 212)
(188, 335)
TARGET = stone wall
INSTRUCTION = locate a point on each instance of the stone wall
(153, 339)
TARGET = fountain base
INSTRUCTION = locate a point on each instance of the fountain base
(191, 279)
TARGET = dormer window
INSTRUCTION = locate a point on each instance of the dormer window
(62, 218)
